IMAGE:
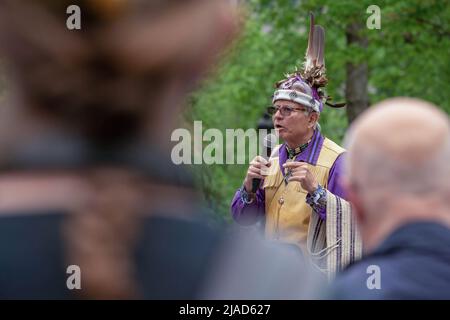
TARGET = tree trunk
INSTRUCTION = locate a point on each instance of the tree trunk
(356, 92)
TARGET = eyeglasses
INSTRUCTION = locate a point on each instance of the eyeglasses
(284, 110)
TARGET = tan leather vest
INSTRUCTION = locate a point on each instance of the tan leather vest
(287, 213)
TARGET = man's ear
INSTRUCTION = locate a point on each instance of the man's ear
(314, 118)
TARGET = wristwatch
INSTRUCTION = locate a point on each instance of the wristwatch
(317, 198)
(246, 197)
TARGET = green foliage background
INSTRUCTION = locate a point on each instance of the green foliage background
(408, 56)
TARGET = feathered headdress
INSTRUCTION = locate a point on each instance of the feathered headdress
(305, 86)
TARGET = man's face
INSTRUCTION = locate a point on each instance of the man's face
(295, 124)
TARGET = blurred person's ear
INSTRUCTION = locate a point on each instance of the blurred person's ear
(353, 195)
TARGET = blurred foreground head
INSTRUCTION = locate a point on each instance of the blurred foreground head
(81, 100)
(398, 167)
(127, 70)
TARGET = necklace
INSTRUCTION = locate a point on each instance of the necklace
(293, 152)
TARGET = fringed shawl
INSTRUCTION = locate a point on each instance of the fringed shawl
(335, 242)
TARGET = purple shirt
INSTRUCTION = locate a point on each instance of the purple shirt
(248, 214)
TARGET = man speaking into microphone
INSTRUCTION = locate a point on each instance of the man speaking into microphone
(300, 199)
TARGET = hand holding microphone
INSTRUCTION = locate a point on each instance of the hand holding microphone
(255, 173)
(259, 166)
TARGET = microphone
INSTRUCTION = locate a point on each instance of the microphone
(269, 142)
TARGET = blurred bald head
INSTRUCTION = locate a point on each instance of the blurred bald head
(400, 142)
(398, 164)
